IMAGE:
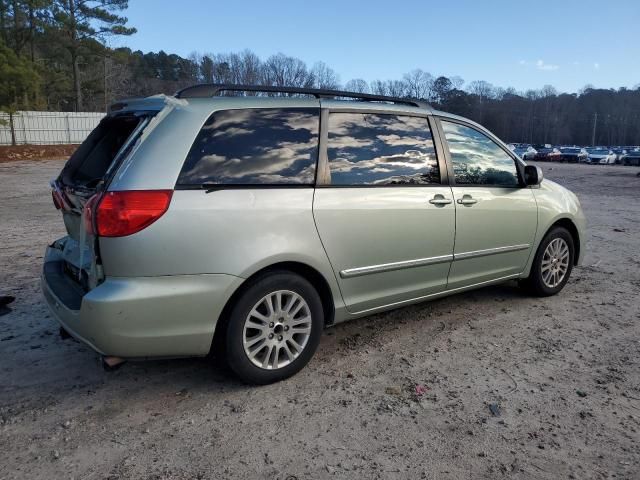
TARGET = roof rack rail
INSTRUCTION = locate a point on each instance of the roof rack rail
(213, 89)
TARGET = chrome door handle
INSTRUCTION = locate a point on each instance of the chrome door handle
(439, 200)
(467, 200)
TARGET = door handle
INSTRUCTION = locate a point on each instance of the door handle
(439, 200)
(467, 200)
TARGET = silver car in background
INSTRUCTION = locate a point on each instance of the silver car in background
(248, 224)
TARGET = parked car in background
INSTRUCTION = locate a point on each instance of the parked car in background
(566, 154)
(595, 154)
(542, 152)
(248, 224)
(619, 152)
(525, 152)
(554, 155)
(610, 159)
(631, 157)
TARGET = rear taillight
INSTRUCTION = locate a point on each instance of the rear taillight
(88, 212)
(57, 201)
(123, 213)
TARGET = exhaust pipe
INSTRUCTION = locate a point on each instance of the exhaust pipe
(112, 363)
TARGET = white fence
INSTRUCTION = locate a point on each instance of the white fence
(47, 128)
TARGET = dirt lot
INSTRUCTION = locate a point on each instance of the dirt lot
(10, 153)
(563, 372)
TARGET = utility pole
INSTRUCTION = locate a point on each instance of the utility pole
(595, 124)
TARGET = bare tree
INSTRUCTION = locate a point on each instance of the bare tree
(245, 68)
(548, 91)
(392, 88)
(324, 76)
(418, 84)
(282, 71)
(378, 87)
(118, 79)
(457, 82)
(483, 90)
(357, 85)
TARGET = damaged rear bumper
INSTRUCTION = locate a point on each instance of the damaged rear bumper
(138, 317)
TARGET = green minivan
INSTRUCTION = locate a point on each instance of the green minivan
(248, 219)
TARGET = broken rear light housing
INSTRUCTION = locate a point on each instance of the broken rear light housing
(123, 213)
(57, 200)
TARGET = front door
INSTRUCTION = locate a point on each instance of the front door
(496, 215)
(385, 219)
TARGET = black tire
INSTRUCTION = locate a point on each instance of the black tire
(238, 360)
(534, 282)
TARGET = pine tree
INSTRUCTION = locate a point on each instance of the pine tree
(83, 20)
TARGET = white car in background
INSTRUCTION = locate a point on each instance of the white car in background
(530, 154)
(610, 159)
(595, 154)
(525, 152)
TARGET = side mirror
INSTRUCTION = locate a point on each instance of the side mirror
(532, 175)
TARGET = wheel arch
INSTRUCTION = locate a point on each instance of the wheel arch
(571, 227)
(306, 271)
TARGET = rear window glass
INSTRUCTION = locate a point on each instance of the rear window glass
(381, 149)
(269, 146)
(90, 162)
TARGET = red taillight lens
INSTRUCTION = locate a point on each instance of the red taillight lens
(57, 201)
(123, 213)
(89, 212)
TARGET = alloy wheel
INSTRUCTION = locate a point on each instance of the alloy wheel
(277, 329)
(555, 262)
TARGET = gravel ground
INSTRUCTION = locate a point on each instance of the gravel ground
(561, 374)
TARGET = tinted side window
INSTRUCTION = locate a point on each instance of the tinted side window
(269, 146)
(478, 160)
(374, 149)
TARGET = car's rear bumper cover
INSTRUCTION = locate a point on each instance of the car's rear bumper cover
(138, 317)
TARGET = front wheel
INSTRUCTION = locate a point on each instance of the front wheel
(552, 264)
(274, 328)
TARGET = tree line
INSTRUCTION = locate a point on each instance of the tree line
(54, 56)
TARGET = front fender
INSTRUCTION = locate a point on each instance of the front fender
(557, 204)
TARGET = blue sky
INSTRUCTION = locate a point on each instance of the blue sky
(564, 43)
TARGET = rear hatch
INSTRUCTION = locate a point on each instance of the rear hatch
(84, 177)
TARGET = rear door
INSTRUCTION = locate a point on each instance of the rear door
(382, 207)
(496, 214)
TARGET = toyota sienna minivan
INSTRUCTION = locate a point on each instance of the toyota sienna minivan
(241, 215)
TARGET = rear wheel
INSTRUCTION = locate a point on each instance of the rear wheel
(274, 328)
(552, 264)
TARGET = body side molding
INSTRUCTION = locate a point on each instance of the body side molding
(421, 262)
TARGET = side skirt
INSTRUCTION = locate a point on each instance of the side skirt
(431, 296)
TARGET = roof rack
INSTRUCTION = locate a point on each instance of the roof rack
(213, 89)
